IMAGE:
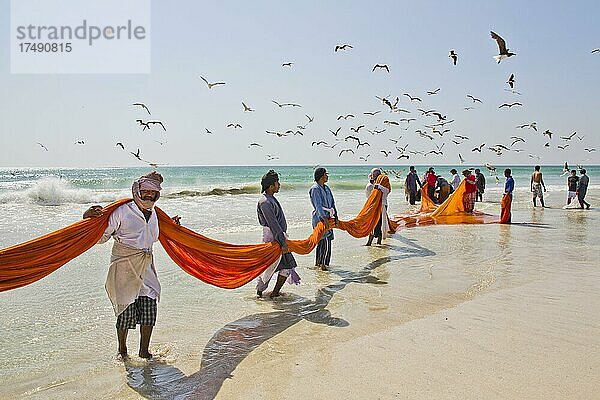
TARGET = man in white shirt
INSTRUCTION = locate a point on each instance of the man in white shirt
(132, 284)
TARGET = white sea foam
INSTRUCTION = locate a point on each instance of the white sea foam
(52, 191)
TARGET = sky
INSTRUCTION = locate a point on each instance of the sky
(244, 45)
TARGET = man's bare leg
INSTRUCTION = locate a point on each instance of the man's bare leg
(145, 333)
(280, 281)
(122, 336)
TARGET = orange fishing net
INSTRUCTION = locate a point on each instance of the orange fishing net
(217, 263)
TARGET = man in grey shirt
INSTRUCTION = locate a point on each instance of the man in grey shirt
(272, 219)
(582, 186)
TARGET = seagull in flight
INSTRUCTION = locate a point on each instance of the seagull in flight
(358, 128)
(43, 147)
(385, 153)
(287, 64)
(510, 105)
(156, 122)
(371, 112)
(143, 106)
(286, 104)
(475, 99)
(563, 146)
(342, 47)
(411, 97)
(595, 51)
(461, 159)
(119, 144)
(452, 55)
(310, 119)
(590, 150)
(234, 126)
(502, 50)
(345, 151)
(547, 132)
(211, 85)
(80, 142)
(318, 143)
(254, 144)
(532, 125)
(278, 134)
(513, 91)
(432, 92)
(568, 137)
(335, 133)
(479, 148)
(365, 158)
(382, 66)
(246, 108)
(511, 81)
(345, 116)
(143, 124)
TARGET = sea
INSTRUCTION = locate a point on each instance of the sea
(58, 336)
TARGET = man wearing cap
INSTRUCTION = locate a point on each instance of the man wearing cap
(323, 209)
(132, 284)
(272, 219)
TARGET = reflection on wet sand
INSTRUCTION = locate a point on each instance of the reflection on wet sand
(236, 340)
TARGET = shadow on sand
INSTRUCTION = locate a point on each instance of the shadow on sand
(236, 340)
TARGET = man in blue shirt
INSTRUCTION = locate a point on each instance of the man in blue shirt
(323, 209)
(505, 204)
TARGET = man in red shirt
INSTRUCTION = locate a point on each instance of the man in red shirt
(470, 191)
(431, 179)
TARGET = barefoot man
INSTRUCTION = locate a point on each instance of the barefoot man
(132, 284)
(537, 183)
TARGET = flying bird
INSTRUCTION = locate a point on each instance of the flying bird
(479, 148)
(590, 150)
(207, 131)
(403, 156)
(254, 144)
(568, 137)
(563, 146)
(358, 128)
(462, 137)
(278, 134)
(511, 81)
(246, 108)
(119, 144)
(382, 66)
(318, 143)
(345, 151)
(510, 105)
(475, 99)
(595, 51)
(342, 47)
(143, 124)
(469, 108)
(345, 116)
(234, 126)
(548, 133)
(411, 97)
(335, 133)
(432, 92)
(143, 106)
(516, 139)
(371, 112)
(156, 122)
(211, 85)
(310, 119)
(43, 147)
(452, 55)
(287, 64)
(365, 158)
(502, 50)
(385, 153)
(137, 154)
(286, 104)
(80, 142)
(461, 159)
(513, 91)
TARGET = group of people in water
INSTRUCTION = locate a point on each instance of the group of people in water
(132, 283)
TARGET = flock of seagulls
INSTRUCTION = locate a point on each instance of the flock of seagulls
(348, 137)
